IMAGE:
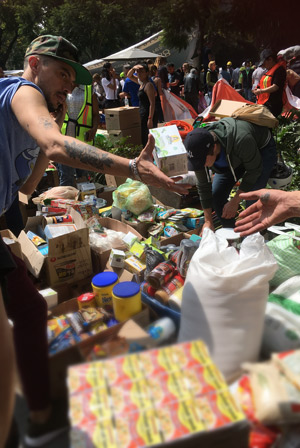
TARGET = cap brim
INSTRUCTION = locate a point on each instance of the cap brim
(83, 76)
(195, 165)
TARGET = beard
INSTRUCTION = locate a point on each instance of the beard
(50, 106)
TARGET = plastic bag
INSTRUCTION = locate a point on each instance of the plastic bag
(285, 250)
(257, 114)
(282, 319)
(276, 399)
(60, 193)
(224, 299)
(133, 196)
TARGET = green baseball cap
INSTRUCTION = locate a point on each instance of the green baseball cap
(60, 48)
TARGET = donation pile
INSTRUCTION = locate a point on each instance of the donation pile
(152, 398)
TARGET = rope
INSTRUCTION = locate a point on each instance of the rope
(183, 127)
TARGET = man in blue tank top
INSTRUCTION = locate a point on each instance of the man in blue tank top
(30, 137)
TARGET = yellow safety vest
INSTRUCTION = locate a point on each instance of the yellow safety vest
(84, 121)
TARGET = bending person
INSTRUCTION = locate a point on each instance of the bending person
(234, 150)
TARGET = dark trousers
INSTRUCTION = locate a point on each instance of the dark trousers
(28, 311)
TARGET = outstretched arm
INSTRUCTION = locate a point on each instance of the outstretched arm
(272, 207)
(31, 111)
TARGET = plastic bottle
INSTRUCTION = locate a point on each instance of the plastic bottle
(126, 101)
(161, 274)
(163, 294)
(175, 300)
(162, 330)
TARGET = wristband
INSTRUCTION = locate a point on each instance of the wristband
(149, 118)
(134, 169)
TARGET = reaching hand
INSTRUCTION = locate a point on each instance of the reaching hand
(272, 207)
(152, 175)
(230, 209)
(207, 225)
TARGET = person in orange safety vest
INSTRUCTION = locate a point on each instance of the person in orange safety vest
(270, 89)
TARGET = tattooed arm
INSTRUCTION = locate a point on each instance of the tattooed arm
(272, 207)
(31, 111)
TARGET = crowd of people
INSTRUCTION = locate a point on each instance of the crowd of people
(52, 112)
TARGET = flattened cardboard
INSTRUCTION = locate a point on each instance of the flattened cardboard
(122, 118)
(225, 108)
(69, 256)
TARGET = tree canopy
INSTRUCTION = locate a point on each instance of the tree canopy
(101, 27)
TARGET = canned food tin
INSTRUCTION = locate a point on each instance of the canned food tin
(102, 285)
(87, 300)
(126, 300)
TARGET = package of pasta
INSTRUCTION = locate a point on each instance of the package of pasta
(289, 363)
(276, 399)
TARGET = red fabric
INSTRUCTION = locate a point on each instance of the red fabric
(223, 91)
(193, 113)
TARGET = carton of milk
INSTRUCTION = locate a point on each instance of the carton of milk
(169, 154)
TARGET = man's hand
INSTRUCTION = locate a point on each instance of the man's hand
(59, 114)
(90, 135)
(272, 207)
(152, 175)
(230, 208)
(207, 225)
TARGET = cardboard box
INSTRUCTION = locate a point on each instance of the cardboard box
(134, 134)
(69, 256)
(60, 361)
(122, 118)
(169, 154)
(225, 108)
(114, 181)
(12, 241)
(100, 257)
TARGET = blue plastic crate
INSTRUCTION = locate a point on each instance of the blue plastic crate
(160, 309)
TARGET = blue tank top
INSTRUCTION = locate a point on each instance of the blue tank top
(18, 150)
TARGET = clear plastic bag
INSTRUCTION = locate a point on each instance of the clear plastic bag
(133, 196)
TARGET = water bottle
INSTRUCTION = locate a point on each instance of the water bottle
(162, 330)
(126, 101)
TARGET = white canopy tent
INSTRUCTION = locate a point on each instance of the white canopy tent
(131, 54)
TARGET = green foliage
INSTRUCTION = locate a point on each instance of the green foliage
(20, 22)
(119, 147)
(287, 137)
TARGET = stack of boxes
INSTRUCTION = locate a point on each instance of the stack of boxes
(124, 122)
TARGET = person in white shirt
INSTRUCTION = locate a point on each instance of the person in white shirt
(110, 84)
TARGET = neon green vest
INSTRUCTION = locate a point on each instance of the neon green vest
(84, 121)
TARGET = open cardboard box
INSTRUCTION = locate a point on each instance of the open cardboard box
(14, 244)
(69, 256)
(60, 361)
(100, 257)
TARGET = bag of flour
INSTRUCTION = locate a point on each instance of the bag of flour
(224, 299)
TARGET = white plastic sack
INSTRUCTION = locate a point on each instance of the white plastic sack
(282, 319)
(224, 299)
